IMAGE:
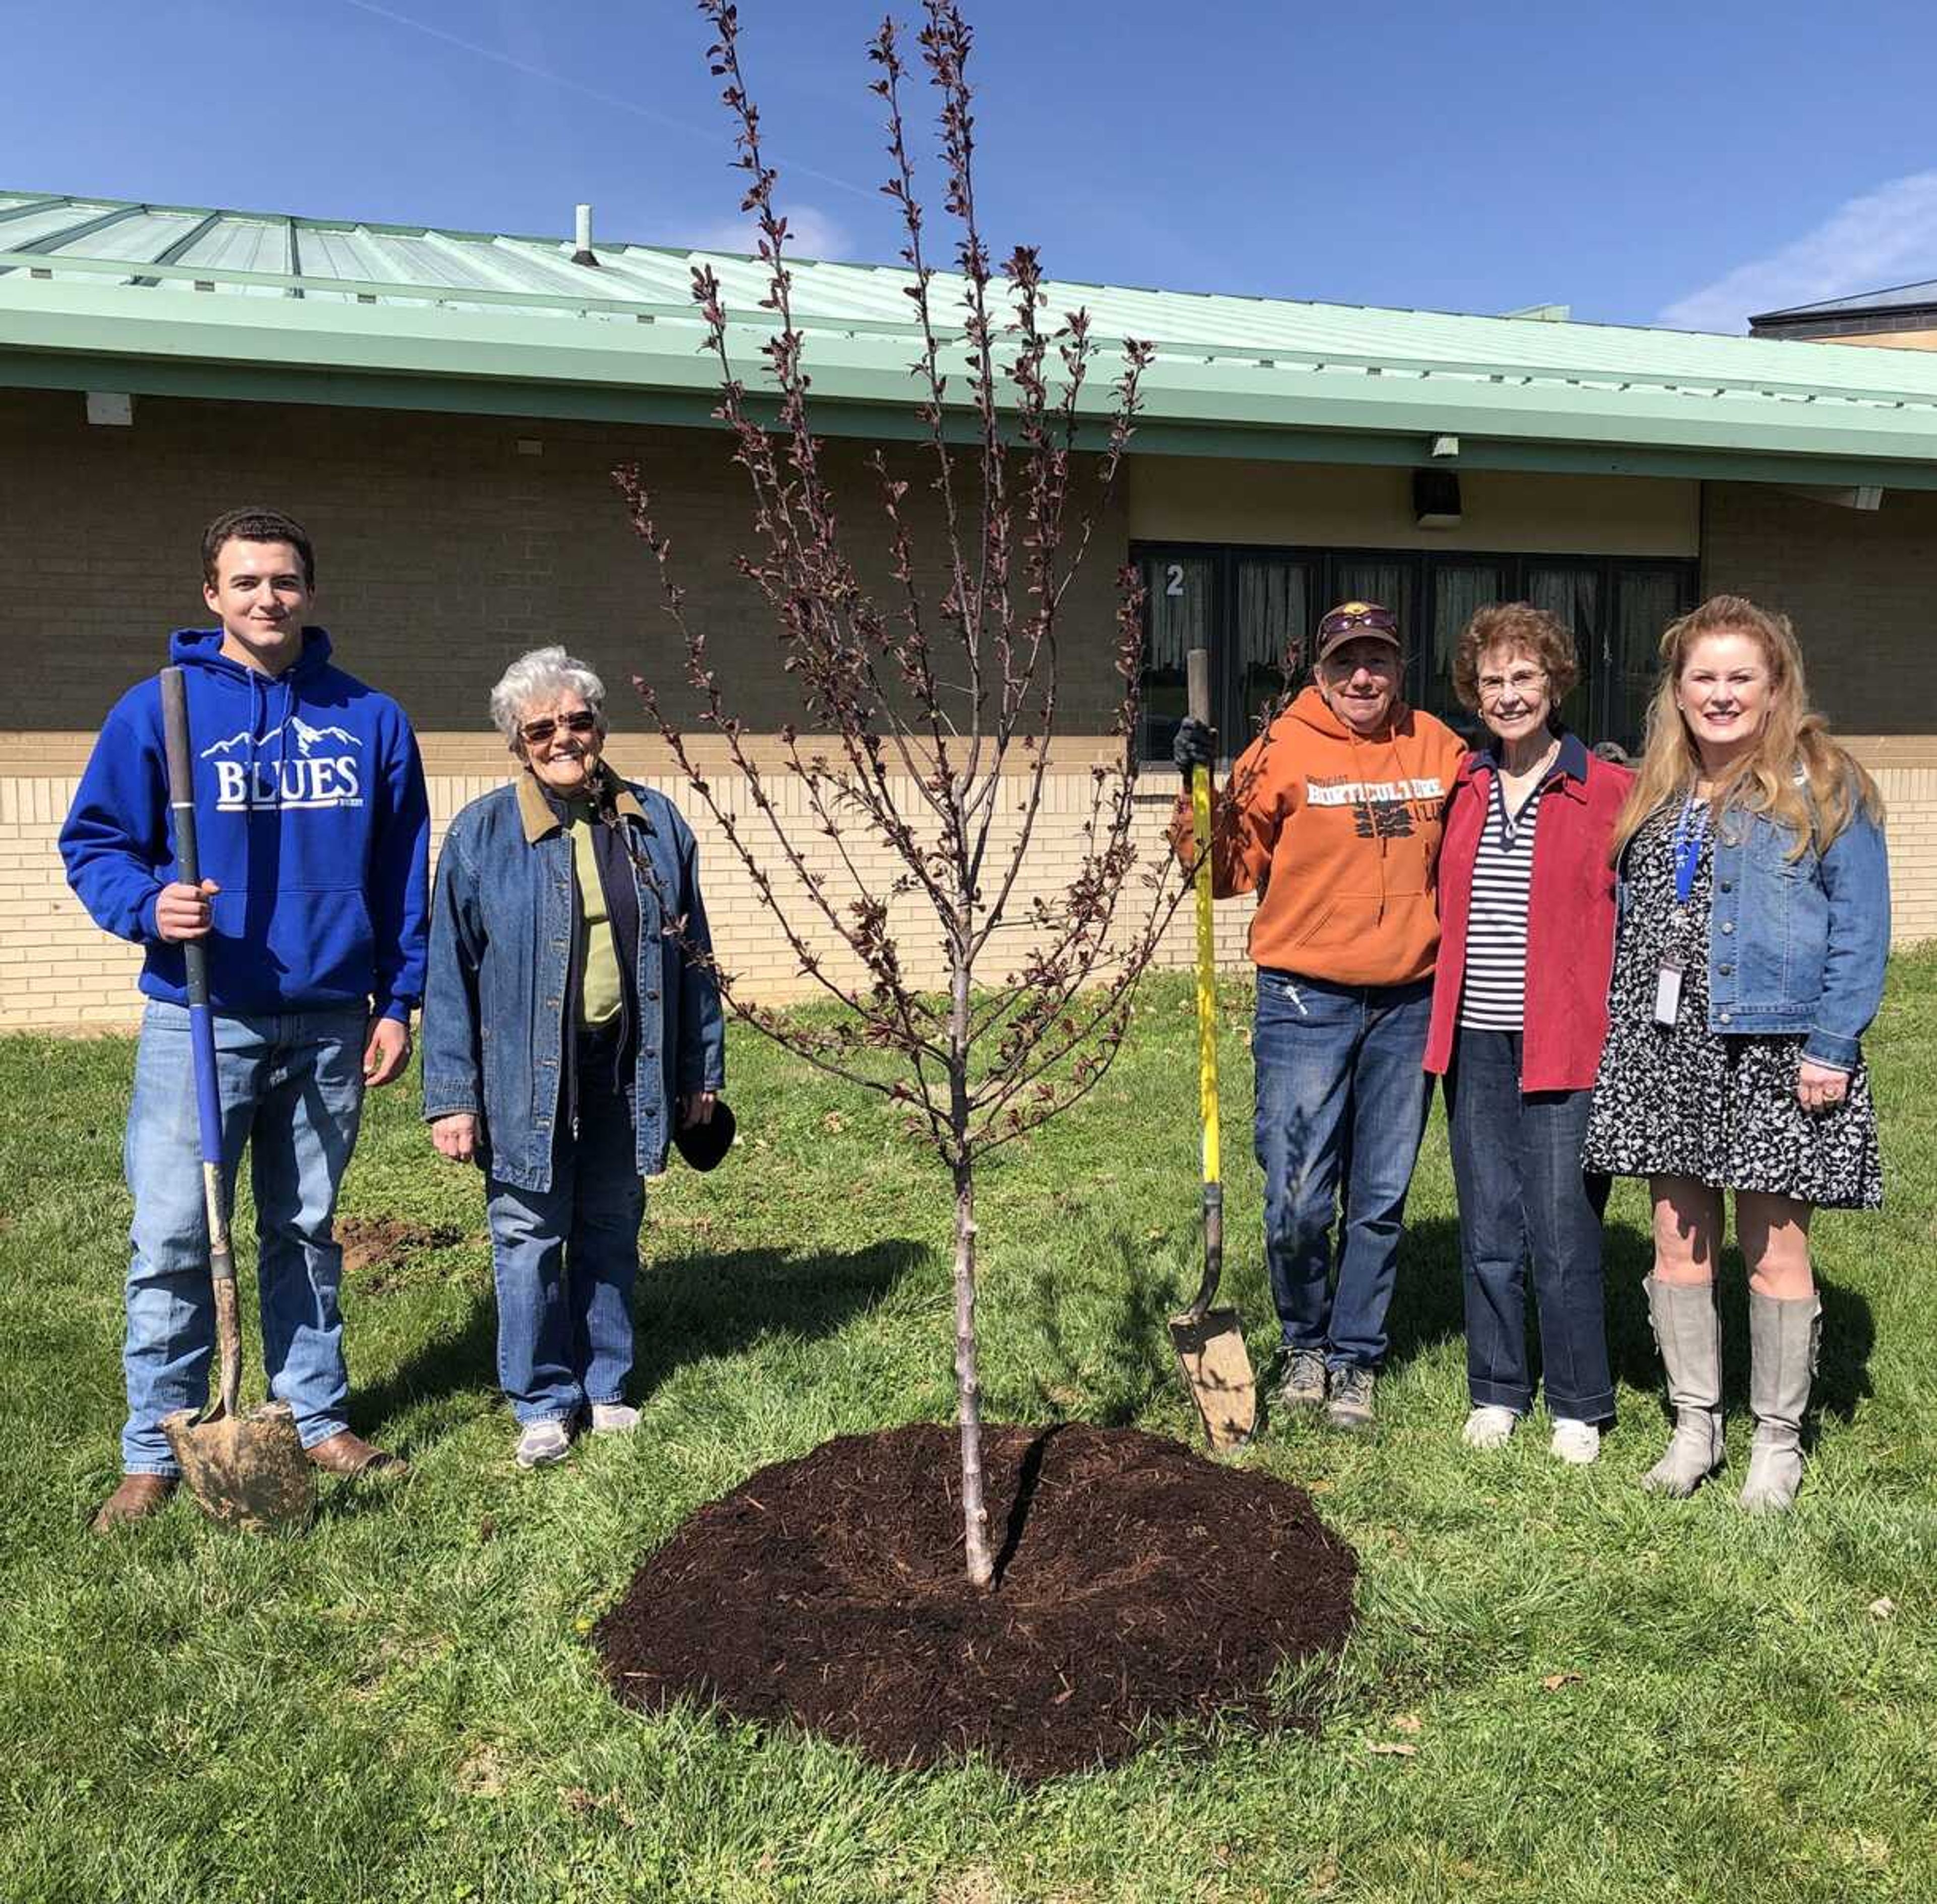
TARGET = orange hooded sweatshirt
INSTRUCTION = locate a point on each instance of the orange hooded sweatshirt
(1339, 838)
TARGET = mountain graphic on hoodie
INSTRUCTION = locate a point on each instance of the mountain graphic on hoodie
(308, 738)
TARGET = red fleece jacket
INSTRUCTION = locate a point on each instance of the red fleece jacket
(1570, 923)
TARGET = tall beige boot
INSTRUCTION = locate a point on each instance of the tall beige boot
(1688, 1331)
(1782, 1337)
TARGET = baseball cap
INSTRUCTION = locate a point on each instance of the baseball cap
(1353, 621)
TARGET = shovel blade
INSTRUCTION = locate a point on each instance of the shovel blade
(1217, 1369)
(246, 1470)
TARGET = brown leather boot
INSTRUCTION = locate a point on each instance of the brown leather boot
(138, 1497)
(345, 1453)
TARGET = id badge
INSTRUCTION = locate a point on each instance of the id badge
(1667, 994)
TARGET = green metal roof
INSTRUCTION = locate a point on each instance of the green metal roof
(96, 293)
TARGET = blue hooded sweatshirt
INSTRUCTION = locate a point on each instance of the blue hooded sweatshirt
(310, 815)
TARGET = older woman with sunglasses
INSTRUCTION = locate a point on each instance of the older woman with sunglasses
(570, 1022)
(1526, 914)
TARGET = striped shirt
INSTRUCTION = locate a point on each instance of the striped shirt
(1494, 996)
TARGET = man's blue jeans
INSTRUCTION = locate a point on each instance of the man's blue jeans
(291, 1090)
(1516, 1167)
(566, 1259)
(1342, 1097)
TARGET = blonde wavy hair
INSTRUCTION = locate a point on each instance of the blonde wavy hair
(1794, 773)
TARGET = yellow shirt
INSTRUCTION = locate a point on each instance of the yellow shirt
(601, 994)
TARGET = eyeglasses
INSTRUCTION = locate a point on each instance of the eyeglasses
(1523, 681)
(535, 733)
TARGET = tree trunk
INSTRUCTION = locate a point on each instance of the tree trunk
(968, 1382)
(967, 1387)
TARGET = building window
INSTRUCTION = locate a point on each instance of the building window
(1250, 606)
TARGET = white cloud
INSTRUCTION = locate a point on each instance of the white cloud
(812, 233)
(1885, 238)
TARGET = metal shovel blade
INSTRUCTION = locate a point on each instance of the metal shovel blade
(1217, 1369)
(246, 1469)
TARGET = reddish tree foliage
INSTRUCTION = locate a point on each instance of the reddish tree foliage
(927, 717)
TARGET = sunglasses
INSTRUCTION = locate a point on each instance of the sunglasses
(1364, 614)
(535, 733)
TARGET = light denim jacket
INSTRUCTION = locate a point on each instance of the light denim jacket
(1797, 946)
(500, 946)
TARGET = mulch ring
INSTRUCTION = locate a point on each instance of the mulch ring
(1137, 1584)
(377, 1249)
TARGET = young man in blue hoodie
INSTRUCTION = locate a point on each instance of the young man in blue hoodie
(314, 832)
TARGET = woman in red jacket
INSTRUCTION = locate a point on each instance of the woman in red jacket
(1519, 1010)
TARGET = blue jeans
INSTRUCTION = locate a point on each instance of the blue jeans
(291, 1090)
(566, 1260)
(1517, 1166)
(1342, 1095)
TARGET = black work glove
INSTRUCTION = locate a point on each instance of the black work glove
(1195, 746)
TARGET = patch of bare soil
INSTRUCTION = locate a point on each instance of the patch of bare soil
(376, 1249)
(1137, 1584)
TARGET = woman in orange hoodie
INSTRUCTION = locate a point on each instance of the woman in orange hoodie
(1333, 818)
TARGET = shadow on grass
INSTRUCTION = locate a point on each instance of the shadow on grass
(1110, 1376)
(719, 1303)
(1428, 1308)
(1849, 1335)
(712, 1305)
(456, 1358)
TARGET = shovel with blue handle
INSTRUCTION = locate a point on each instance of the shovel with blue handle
(245, 1468)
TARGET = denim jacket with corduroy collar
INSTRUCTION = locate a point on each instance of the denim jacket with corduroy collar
(502, 924)
(1797, 945)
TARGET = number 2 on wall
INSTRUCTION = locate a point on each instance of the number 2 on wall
(1173, 578)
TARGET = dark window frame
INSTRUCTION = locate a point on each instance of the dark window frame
(1327, 560)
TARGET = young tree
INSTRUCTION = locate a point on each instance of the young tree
(927, 717)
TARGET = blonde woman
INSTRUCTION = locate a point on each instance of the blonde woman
(1753, 895)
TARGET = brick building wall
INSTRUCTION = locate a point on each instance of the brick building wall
(1861, 587)
(57, 970)
(447, 546)
(444, 549)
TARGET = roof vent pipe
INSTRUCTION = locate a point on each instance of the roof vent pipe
(584, 254)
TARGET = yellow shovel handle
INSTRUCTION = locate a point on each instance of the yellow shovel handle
(1198, 664)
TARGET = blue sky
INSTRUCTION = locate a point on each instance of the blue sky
(1647, 162)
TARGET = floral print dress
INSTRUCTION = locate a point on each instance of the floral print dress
(1683, 1101)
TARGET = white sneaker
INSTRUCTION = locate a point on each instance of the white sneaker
(613, 1418)
(542, 1443)
(1577, 1442)
(1489, 1426)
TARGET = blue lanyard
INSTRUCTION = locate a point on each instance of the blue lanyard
(1688, 831)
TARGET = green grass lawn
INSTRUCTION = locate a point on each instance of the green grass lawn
(1582, 1692)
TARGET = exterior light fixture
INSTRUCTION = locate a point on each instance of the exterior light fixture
(1435, 498)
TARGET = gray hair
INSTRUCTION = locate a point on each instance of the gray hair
(542, 675)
